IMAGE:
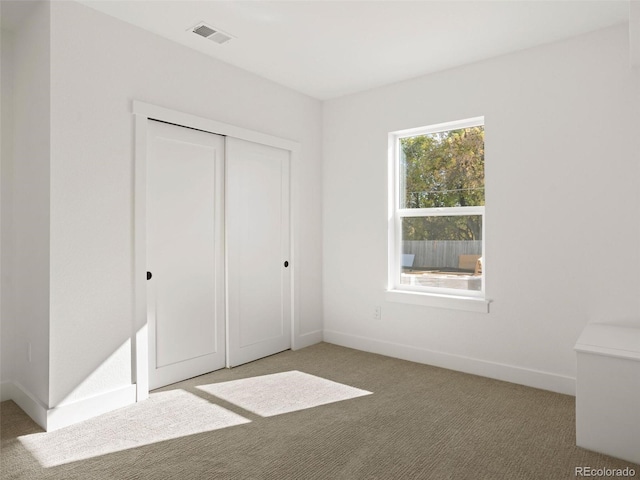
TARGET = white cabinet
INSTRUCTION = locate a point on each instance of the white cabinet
(608, 389)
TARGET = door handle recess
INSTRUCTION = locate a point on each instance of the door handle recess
(286, 264)
(149, 275)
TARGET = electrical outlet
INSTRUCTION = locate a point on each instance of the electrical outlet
(377, 313)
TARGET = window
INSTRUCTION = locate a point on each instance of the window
(437, 209)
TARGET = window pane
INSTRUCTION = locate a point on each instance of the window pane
(443, 169)
(443, 252)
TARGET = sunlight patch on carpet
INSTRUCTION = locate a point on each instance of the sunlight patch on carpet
(164, 416)
(285, 392)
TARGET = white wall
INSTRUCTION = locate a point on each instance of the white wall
(6, 151)
(562, 209)
(99, 65)
(6, 214)
(25, 222)
(67, 193)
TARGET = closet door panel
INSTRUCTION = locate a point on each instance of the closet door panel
(258, 248)
(185, 253)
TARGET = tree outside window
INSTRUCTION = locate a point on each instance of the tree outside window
(440, 197)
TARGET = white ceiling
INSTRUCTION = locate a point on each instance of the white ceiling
(327, 49)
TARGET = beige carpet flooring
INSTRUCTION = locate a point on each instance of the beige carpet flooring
(324, 412)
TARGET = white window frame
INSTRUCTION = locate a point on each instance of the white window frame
(470, 300)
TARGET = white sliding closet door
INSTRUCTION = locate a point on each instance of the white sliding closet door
(258, 251)
(185, 253)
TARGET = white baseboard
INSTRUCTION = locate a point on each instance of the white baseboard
(6, 391)
(62, 416)
(27, 402)
(65, 415)
(483, 368)
(307, 339)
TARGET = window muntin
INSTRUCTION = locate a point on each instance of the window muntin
(438, 242)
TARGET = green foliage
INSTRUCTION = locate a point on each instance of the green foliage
(444, 169)
(463, 227)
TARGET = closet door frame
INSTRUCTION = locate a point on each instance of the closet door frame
(142, 113)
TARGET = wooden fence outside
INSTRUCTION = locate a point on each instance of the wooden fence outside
(440, 253)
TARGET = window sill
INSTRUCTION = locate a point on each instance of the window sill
(469, 304)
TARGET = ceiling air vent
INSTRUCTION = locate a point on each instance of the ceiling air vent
(210, 33)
